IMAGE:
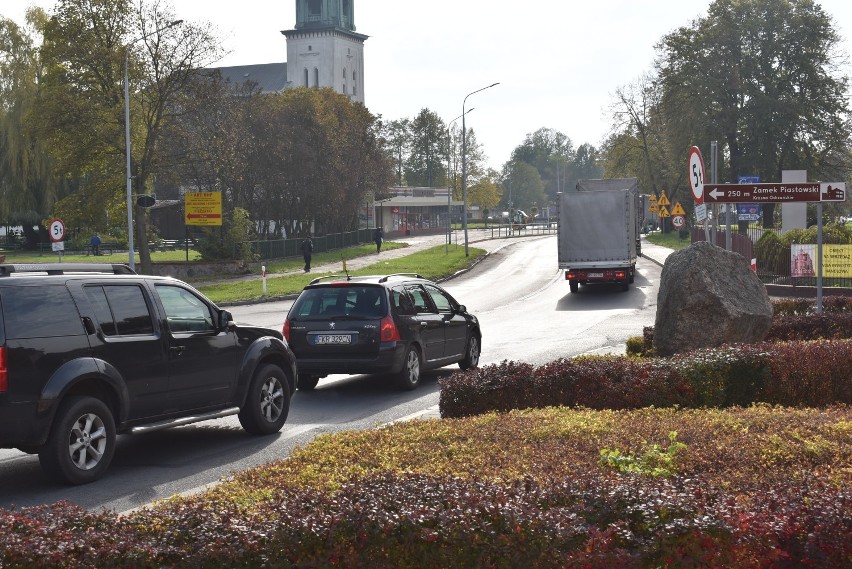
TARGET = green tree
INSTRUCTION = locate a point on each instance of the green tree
(81, 105)
(425, 164)
(762, 78)
(523, 187)
(642, 144)
(397, 136)
(551, 153)
(485, 192)
(28, 186)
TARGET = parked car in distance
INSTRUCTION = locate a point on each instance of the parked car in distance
(399, 324)
(90, 351)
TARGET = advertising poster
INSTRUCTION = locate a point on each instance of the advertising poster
(836, 261)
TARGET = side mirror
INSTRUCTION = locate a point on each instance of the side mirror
(225, 319)
(462, 308)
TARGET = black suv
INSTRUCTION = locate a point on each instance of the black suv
(91, 350)
(396, 324)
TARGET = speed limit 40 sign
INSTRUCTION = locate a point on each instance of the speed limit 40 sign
(57, 230)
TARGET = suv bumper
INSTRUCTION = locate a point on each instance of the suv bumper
(20, 425)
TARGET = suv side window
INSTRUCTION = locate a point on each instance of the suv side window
(441, 300)
(121, 310)
(421, 299)
(185, 312)
(40, 312)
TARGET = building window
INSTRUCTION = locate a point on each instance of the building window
(310, 48)
(316, 77)
(314, 7)
(344, 74)
(306, 77)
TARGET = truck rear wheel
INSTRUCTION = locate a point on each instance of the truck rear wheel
(575, 286)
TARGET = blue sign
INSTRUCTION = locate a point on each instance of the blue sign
(748, 211)
(748, 180)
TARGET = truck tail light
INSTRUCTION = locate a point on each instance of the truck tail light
(4, 373)
(620, 274)
(389, 331)
(570, 275)
(286, 330)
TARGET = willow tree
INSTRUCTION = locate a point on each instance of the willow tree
(28, 187)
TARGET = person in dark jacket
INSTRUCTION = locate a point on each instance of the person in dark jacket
(95, 242)
(378, 237)
(307, 251)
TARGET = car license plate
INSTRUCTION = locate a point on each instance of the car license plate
(595, 275)
(334, 339)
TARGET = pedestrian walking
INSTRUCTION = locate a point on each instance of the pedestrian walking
(307, 251)
(378, 237)
(95, 242)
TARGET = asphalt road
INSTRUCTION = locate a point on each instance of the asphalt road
(527, 314)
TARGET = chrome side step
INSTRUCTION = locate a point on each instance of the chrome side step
(183, 421)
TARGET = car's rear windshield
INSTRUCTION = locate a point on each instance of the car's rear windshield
(352, 301)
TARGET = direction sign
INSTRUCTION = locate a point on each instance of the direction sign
(57, 230)
(696, 174)
(203, 208)
(805, 192)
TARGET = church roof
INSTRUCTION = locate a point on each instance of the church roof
(269, 77)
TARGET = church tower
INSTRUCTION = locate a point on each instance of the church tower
(324, 50)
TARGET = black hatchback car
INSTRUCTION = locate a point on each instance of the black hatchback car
(396, 324)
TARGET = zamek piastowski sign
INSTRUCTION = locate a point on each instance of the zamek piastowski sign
(753, 193)
(203, 208)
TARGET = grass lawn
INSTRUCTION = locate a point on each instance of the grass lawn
(671, 240)
(434, 264)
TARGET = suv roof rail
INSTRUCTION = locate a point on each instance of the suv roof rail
(6, 269)
(386, 277)
(318, 279)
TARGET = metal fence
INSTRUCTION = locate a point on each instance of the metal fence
(774, 265)
(280, 248)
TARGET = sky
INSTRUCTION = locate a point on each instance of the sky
(558, 62)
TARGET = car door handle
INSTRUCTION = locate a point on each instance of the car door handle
(177, 350)
(424, 324)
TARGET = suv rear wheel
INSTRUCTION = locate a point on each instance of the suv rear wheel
(409, 376)
(81, 443)
(267, 402)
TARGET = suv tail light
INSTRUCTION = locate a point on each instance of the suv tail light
(286, 330)
(389, 332)
(4, 373)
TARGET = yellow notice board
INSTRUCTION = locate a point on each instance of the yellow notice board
(203, 208)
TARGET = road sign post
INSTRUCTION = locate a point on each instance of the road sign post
(57, 236)
(695, 175)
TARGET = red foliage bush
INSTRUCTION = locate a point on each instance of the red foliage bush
(417, 521)
(815, 373)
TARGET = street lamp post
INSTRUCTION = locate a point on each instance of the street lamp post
(449, 191)
(464, 167)
(131, 256)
